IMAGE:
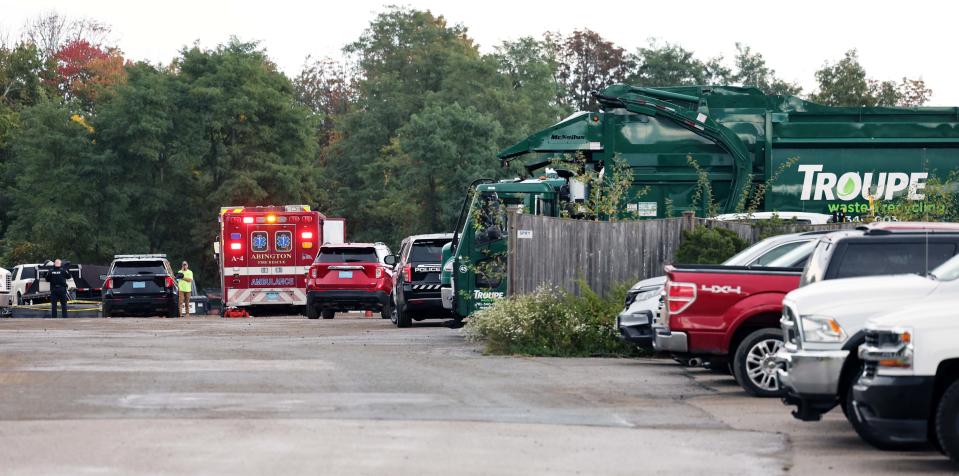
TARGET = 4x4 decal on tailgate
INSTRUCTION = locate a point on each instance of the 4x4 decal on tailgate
(717, 289)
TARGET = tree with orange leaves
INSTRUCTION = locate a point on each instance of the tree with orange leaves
(85, 70)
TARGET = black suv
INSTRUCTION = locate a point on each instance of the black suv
(416, 292)
(140, 285)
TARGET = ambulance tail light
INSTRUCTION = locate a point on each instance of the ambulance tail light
(236, 246)
(307, 235)
(408, 273)
(169, 282)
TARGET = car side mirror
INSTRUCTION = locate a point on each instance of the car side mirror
(390, 260)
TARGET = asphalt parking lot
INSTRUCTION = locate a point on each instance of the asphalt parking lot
(357, 396)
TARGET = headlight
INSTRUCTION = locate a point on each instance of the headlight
(448, 267)
(821, 329)
(889, 348)
(647, 294)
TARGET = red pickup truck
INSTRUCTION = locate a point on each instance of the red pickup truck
(730, 314)
(727, 314)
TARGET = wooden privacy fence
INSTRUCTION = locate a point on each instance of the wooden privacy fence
(561, 251)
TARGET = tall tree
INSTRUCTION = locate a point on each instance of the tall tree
(326, 88)
(845, 83)
(50, 31)
(68, 197)
(751, 70)
(669, 64)
(84, 71)
(587, 63)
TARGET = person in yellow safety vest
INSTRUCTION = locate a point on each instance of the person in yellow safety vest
(185, 284)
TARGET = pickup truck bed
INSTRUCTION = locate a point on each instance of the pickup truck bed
(723, 298)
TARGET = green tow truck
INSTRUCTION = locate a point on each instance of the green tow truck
(859, 161)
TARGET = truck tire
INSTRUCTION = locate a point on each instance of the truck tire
(753, 367)
(328, 314)
(311, 312)
(403, 318)
(947, 422)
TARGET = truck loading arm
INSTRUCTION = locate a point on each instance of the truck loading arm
(633, 101)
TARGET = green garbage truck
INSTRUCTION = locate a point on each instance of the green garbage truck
(802, 156)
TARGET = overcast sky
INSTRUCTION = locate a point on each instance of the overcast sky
(914, 39)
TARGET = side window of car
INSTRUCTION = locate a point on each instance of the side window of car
(776, 252)
(259, 242)
(284, 241)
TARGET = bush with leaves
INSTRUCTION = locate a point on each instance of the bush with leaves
(552, 322)
(704, 245)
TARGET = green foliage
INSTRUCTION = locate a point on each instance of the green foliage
(608, 191)
(702, 197)
(551, 322)
(706, 245)
(845, 83)
(751, 70)
(429, 115)
(941, 202)
(672, 65)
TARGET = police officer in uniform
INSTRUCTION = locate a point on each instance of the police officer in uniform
(57, 277)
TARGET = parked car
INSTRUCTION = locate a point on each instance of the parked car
(416, 292)
(140, 285)
(806, 218)
(27, 283)
(644, 298)
(733, 313)
(350, 276)
(908, 391)
(822, 322)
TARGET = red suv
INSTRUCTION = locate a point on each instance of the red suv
(350, 277)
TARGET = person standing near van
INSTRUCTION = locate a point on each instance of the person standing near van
(185, 285)
(57, 277)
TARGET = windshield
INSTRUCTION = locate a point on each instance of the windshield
(347, 255)
(796, 257)
(138, 267)
(948, 271)
(427, 251)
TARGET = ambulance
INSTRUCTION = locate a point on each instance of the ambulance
(265, 252)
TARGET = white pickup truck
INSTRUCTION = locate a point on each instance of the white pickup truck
(908, 392)
(22, 289)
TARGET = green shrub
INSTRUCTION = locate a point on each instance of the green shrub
(552, 322)
(703, 245)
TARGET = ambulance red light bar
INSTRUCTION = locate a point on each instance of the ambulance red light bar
(236, 246)
(247, 219)
(271, 218)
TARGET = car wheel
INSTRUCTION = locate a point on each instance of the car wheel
(403, 318)
(311, 312)
(327, 314)
(387, 310)
(947, 422)
(753, 365)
